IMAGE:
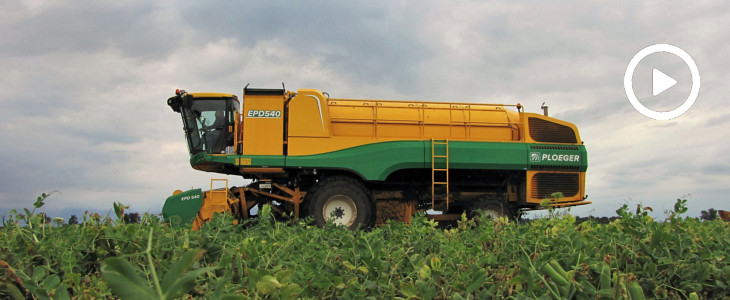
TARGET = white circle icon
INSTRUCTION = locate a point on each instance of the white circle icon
(629, 86)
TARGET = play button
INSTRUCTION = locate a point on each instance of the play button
(661, 82)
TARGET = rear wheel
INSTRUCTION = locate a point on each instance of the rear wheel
(342, 200)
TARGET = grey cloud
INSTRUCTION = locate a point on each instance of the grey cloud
(88, 27)
(718, 121)
(363, 42)
(84, 83)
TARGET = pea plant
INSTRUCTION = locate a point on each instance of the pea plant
(553, 257)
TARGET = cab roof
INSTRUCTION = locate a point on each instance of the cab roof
(212, 95)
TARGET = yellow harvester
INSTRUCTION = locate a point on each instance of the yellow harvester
(362, 162)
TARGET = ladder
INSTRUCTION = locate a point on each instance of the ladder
(439, 170)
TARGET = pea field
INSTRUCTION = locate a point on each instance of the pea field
(553, 257)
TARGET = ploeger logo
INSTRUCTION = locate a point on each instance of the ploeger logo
(539, 157)
(253, 113)
(535, 156)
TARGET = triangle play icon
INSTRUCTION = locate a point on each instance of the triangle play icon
(661, 82)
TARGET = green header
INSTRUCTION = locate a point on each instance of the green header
(184, 206)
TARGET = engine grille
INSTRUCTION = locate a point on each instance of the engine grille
(545, 184)
(555, 167)
(555, 147)
(548, 132)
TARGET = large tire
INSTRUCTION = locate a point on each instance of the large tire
(496, 209)
(343, 198)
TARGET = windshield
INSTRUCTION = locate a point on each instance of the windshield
(206, 123)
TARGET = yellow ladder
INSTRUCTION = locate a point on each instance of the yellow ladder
(440, 169)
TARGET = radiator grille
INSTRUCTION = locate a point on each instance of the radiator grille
(555, 147)
(548, 132)
(555, 167)
(545, 184)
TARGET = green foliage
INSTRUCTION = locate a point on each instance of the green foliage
(126, 281)
(550, 258)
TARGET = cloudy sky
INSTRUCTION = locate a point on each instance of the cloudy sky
(84, 84)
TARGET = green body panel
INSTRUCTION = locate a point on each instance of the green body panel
(232, 159)
(378, 160)
(373, 161)
(266, 160)
(484, 155)
(184, 206)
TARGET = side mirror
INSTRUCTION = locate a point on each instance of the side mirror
(175, 103)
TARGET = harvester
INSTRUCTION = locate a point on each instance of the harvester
(358, 163)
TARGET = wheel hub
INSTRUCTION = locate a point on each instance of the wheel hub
(341, 209)
(339, 213)
(492, 213)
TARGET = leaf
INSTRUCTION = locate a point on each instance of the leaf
(604, 281)
(283, 276)
(119, 210)
(267, 285)
(62, 294)
(124, 279)
(39, 201)
(348, 265)
(11, 291)
(219, 285)
(179, 267)
(425, 272)
(291, 291)
(38, 274)
(635, 291)
(479, 279)
(427, 290)
(371, 285)
(517, 279)
(577, 242)
(435, 263)
(174, 283)
(457, 296)
(225, 260)
(409, 291)
(184, 284)
(334, 279)
(52, 282)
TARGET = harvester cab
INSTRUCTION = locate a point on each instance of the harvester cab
(210, 127)
(209, 120)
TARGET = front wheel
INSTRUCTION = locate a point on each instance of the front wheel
(343, 201)
(497, 209)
